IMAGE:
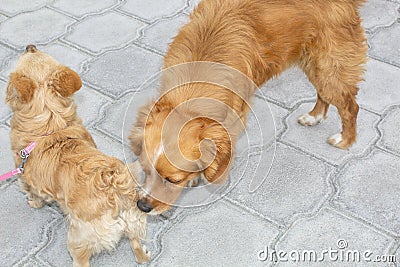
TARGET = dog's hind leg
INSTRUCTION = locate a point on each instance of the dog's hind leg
(140, 251)
(78, 248)
(335, 67)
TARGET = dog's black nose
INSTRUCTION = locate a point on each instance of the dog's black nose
(144, 206)
(31, 48)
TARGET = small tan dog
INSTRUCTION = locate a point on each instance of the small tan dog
(260, 39)
(96, 191)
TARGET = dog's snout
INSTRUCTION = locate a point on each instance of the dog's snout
(144, 206)
(31, 48)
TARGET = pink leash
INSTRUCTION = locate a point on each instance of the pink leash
(23, 154)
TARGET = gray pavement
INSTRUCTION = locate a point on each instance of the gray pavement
(315, 198)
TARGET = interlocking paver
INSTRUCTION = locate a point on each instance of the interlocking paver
(116, 72)
(34, 27)
(387, 13)
(264, 122)
(112, 30)
(288, 88)
(81, 8)
(113, 147)
(5, 152)
(22, 227)
(314, 139)
(293, 176)
(151, 10)
(384, 44)
(369, 188)
(4, 109)
(381, 80)
(220, 226)
(114, 121)
(390, 131)
(160, 35)
(11, 8)
(66, 55)
(89, 103)
(323, 232)
(2, 17)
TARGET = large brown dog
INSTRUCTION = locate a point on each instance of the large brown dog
(259, 38)
(96, 191)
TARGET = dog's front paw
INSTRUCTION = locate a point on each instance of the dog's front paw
(308, 120)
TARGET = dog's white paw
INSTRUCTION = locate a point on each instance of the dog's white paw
(308, 120)
(335, 139)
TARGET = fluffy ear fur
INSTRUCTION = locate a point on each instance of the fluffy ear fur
(66, 82)
(216, 147)
(24, 87)
(137, 133)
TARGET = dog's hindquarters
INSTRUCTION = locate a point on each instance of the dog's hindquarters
(334, 64)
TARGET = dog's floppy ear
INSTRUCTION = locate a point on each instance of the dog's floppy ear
(66, 81)
(137, 133)
(216, 153)
(24, 87)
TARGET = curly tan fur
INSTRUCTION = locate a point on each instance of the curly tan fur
(259, 38)
(95, 191)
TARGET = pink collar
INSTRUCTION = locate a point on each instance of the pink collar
(23, 154)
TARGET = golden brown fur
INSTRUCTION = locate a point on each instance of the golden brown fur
(95, 191)
(259, 38)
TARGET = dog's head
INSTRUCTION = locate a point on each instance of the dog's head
(39, 77)
(175, 148)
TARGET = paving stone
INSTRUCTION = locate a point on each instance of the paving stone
(6, 58)
(117, 28)
(153, 10)
(289, 88)
(293, 176)
(220, 226)
(11, 8)
(376, 13)
(384, 44)
(66, 55)
(389, 128)
(22, 226)
(116, 72)
(4, 109)
(89, 103)
(262, 125)
(7, 161)
(314, 139)
(161, 34)
(381, 80)
(330, 230)
(34, 27)
(2, 18)
(369, 188)
(81, 8)
(114, 121)
(111, 147)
